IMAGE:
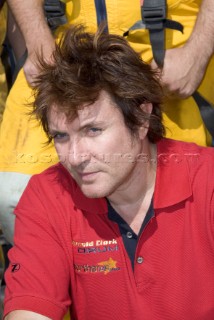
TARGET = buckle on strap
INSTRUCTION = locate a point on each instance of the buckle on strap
(154, 15)
(55, 13)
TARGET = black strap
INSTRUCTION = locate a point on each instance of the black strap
(1, 3)
(153, 14)
(101, 11)
(19, 65)
(206, 110)
(55, 13)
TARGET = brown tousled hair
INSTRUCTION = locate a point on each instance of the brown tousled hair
(83, 65)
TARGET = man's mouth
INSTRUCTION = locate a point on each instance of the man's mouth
(87, 176)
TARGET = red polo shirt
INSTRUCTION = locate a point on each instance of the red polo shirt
(67, 251)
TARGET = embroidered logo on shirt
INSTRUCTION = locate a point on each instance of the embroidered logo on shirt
(15, 267)
(107, 266)
(97, 246)
(97, 249)
(110, 265)
(99, 242)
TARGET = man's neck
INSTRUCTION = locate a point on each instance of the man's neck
(132, 201)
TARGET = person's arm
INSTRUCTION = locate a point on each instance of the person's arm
(185, 67)
(38, 276)
(30, 17)
(25, 315)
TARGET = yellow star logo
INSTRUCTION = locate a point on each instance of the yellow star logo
(109, 264)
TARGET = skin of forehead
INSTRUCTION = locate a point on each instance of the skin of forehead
(88, 113)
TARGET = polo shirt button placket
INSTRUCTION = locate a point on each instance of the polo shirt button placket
(129, 235)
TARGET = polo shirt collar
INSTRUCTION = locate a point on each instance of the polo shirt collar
(92, 205)
(172, 180)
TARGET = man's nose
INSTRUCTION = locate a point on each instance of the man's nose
(78, 153)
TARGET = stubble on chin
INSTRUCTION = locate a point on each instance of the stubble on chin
(96, 194)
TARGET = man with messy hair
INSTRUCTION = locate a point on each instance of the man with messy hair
(122, 227)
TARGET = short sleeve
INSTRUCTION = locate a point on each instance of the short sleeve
(38, 276)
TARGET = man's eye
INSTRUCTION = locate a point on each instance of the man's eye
(59, 136)
(94, 131)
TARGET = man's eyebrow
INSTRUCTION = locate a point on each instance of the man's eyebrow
(86, 125)
(92, 123)
(53, 131)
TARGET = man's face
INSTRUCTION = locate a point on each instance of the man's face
(97, 148)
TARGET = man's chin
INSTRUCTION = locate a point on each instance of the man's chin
(93, 193)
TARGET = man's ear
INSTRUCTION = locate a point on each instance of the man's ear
(143, 130)
(146, 107)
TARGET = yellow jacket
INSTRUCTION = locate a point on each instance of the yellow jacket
(22, 146)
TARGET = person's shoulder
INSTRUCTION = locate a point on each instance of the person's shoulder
(195, 154)
(55, 178)
(184, 148)
(52, 172)
(199, 159)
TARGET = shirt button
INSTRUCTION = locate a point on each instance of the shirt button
(129, 235)
(139, 260)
